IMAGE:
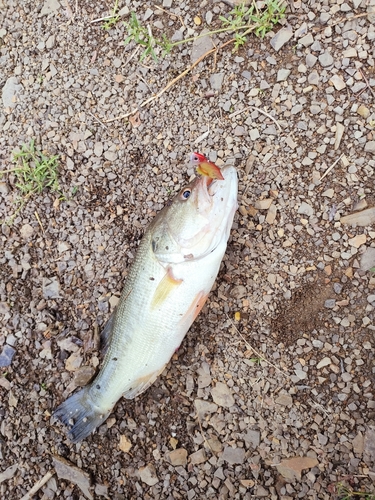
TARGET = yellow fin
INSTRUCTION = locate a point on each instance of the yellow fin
(164, 288)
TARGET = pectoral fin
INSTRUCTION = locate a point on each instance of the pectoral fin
(166, 286)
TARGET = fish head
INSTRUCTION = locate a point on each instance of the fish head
(198, 219)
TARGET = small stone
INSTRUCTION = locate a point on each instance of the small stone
(8, 473)
(271, 214)
(363, 111)
(252, 438)
(263, 204)
(370, 147)
(233, 455)
(337, 82)
(6, 356)
(284, 400)
(83, 375)
(216, 81)
(324, 362)
(98, 149)
(340, 129)
(330, 303)
(204, 407)
(325, 59)
(222, 395)
(311, 61)
(10, 92)
(371, 298)
(283, 74)
(51, 288)
(50, 7)
(281, 38)
(368, 259)
(329, 193)
(350, 52)
(364, 218)
(125, 444)
(238, 292)
(306, 40)
(26, 231)
(254, 134)
(73, 362)
(306, 209)
(199, 457)
(73, 474)
(148, 475)
(358, 240)
(177, 457)
(358, 443)
(201, 46)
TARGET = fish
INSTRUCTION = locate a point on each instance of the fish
(168, 282)
(205, 166)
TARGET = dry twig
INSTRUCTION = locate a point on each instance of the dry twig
(170, 84)
(37, 486)
(331, 167)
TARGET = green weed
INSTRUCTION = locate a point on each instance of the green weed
(34, 172)
(113, 18)
(345, 492)
(241, 21)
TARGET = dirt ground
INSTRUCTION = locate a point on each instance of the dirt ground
(271, 394)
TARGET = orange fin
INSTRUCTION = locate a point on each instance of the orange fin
(164, 288)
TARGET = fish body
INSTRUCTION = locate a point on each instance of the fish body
(168, 282)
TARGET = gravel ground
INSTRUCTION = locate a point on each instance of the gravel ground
(271, 394)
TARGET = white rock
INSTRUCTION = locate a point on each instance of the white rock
(324, 362)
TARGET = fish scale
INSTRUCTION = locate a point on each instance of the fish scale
(172, 274)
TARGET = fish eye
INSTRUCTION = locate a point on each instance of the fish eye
(186, 193)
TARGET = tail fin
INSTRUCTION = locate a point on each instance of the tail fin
(80, 415)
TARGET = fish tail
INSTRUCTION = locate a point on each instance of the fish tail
(80, 415)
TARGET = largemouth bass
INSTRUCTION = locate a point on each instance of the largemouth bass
(168, 282)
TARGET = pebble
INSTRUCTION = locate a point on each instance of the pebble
(306, 209)
(8, 473)
(263, 204)
(284, 400)
(364, 218)
(222, 395)
(281, 38)
(177, 457)
(357, 241)
(50, 7)
(204, 407)
(83, 375)
(73, 474)
(238, 292)
(73, 362)
(198, 457)
(26, 231)
(337, 82)
(325, 59)
(216, 81)
(7, 355)
(283, 74)
(51, 288)
(233, 455)
(324, 362)
(148, 475)
(10, 92)
(363, 111)
(367, 259)
(370, 147)
(200, 47)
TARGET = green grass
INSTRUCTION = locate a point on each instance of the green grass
(113, 18)
(241, 21)
(34, 172)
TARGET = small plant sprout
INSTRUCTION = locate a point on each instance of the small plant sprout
(113, 18)
(345, 492)
(241, 21)
(34, 172)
